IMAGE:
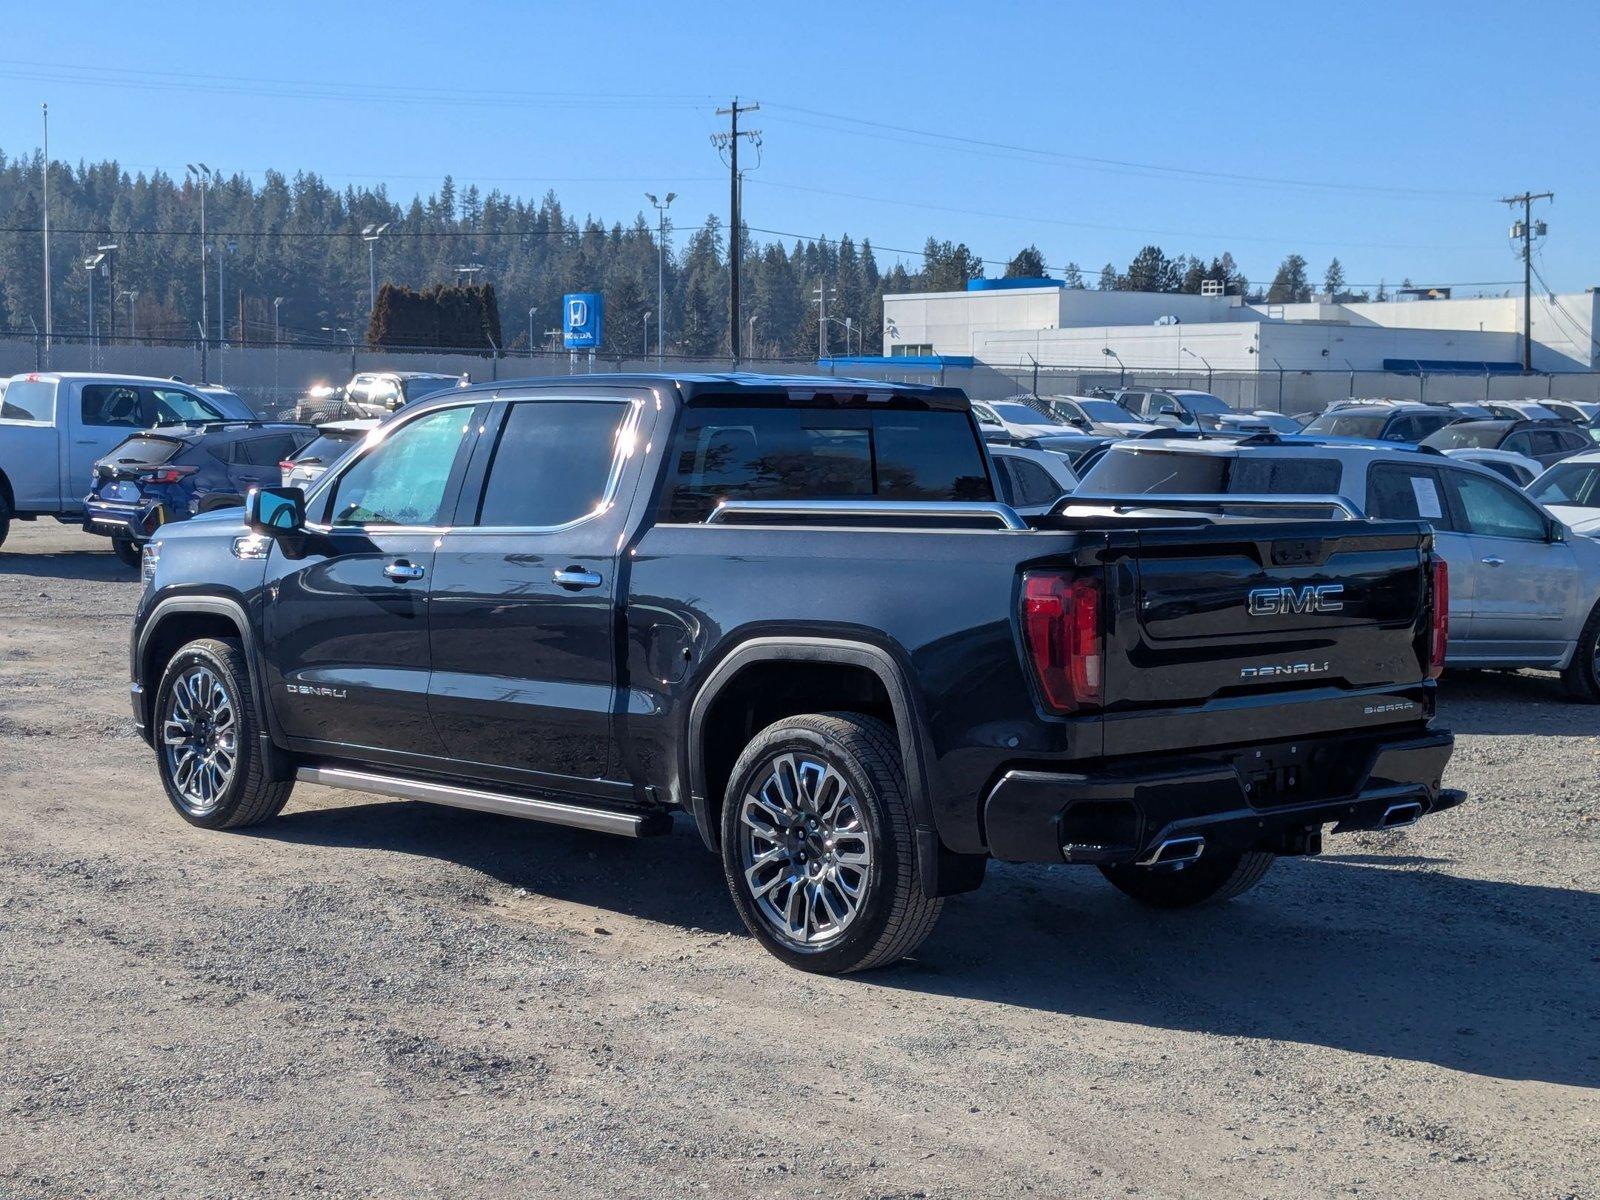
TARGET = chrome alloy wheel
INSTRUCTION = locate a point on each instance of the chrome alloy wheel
(805, 850)
(200, 738)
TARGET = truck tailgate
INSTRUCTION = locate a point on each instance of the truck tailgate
(1324, 623)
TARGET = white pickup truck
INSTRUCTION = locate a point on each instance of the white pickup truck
(54, 425)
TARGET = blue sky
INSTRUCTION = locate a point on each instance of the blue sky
(1381, 134)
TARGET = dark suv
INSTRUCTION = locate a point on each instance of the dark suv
(1546, 442)
(170, 474)
(791, 610)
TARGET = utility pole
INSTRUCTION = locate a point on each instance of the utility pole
(821, 292)
(730, 142)
(1525, 230)
(49, 323)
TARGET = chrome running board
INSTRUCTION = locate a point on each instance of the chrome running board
(552, 812)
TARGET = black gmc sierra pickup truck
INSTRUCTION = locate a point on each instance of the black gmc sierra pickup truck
(792, 609)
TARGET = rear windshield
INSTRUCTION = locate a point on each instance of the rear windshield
(415, 389)
(1350, 424)
(28, 400)
(1464, 436)
(821, 454)
(1127, 472)
(144, 450)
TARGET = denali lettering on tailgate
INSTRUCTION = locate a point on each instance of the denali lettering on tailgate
(1313, 598)
(1276, 669)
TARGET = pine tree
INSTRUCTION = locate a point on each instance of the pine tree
(1073, 277)
(1290, 285)
(1028, 264)
(1333, 280)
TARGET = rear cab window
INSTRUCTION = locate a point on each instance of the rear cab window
(1403, 492)
(821, 453)
(29, 400)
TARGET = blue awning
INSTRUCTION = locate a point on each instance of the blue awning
(1449, 366)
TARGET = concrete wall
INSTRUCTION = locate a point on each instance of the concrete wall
(1563, 328)
(947, 321)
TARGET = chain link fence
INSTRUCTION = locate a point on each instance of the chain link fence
(273, 377)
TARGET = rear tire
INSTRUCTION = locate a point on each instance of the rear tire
(207, 738)
(818, 847)
(127, 550)
(5, 520)
(1205, 881)
(1581, 679)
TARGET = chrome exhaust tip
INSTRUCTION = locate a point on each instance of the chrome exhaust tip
(1397, 816)
(1175, 852)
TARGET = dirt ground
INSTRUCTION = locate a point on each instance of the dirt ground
(367, 998)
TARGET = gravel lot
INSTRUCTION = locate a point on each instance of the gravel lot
(374, 998)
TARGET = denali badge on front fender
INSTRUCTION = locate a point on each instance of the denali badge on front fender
(1313, 598)
(306, 689)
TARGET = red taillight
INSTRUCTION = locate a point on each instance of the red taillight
(166, 474)
(1063, 628)
(1439, 624)
(286, 464)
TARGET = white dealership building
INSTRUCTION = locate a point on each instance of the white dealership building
(1015, 323)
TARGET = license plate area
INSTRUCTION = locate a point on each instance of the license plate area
(121, 490)
(1300, 772)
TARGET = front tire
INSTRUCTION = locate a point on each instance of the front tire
(1205, 881)
(818, 848)
(127, 550)
(207, 738)
(1581, 679)
(5, 519)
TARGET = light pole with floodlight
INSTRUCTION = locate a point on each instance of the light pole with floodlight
(370, 235)
(202, 174)
(661, 207)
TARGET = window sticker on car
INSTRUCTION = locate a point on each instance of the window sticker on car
(1428, 507)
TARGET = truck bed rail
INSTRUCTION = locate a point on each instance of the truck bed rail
(927, 512)
(1345, 509)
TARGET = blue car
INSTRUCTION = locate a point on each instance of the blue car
(172, 473)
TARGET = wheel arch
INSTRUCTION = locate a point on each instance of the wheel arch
(178, 620)
(941, 872)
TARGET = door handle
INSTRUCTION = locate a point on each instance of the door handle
(1493, 561)
(576, 578)
(402, 570)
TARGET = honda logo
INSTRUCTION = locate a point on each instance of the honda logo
(577, 314)
(1313, 598)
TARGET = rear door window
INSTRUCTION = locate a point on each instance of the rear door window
(265, 451)
(552, 464)
(110, 405)
(1031, 483)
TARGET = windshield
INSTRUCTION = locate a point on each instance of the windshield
(1350, 424)
(415, 389)
(1465, 436)
(1569, 483)
(1126, 471)
(1203, 402)
(1021, 414)
(1102, 410)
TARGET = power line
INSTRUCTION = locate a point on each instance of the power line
(1113, 164)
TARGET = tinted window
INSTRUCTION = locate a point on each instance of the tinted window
(1031, 483)
(415, 389)
(1494, 510)
(110, 404)
(552, 463)
(1350, 423)
(145, 450)
(28, 400)
(168, 406)
(1400, 492)
(1134, 472)
(821, 454)
(1519, 443)
(1464, 436)
(402, 480)
(1205, 402)
(329, 446)
(266, 451)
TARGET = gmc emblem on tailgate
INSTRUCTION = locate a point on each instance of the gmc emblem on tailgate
(1313, 598)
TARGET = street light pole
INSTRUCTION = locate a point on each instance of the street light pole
(49, 320)
(133, 331)
(644, 351)
(533, 309)
(370, 235)
(661, 207)
(202, 174)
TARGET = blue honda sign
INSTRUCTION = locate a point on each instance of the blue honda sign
(583, 320)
